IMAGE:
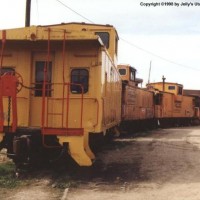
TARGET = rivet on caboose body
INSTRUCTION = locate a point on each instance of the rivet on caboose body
(70, 87)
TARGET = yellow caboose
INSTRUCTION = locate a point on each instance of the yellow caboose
(171, 106)
(137, 103)
(64, 86)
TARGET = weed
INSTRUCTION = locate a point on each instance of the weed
(7, 175)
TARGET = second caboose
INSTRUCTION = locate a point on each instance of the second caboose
(137, 103)
(172, 108)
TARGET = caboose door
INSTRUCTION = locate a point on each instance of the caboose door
(38, 64)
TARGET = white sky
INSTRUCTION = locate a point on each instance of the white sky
(169, 32)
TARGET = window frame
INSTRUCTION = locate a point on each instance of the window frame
(39, 78)
(6, 69)
(171, 87)
(77, 78)
(105, 39)
(122, 69)
(180, 90)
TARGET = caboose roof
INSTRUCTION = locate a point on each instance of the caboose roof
(54, 32)
(166, 83)
(81, 24)
(85, 26)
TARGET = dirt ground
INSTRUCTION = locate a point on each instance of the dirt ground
(157, 165)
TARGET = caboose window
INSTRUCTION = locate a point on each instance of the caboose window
(180, 90)
(116, 45)
(158, 99)
(79, 81)
(171, 87)
(105, 37)
(132, 74)
(6, 70)
(39, 78)
(122, 72)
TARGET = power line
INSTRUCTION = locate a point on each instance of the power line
(74, 11)
(130, 43)
(160, 57)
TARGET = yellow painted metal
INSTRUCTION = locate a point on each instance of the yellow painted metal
(86, 145)
(93, 28)
(173, 88)
(84, 50)
(74, 31)
(126, 76)
(35, 33)
(76, 149)
(89, 53)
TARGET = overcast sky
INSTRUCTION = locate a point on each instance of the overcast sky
(168, 36)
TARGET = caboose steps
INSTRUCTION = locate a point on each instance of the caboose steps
(76, 149)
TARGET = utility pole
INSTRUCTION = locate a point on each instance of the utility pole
(163, 79)
(149, 73)
(28, 13)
